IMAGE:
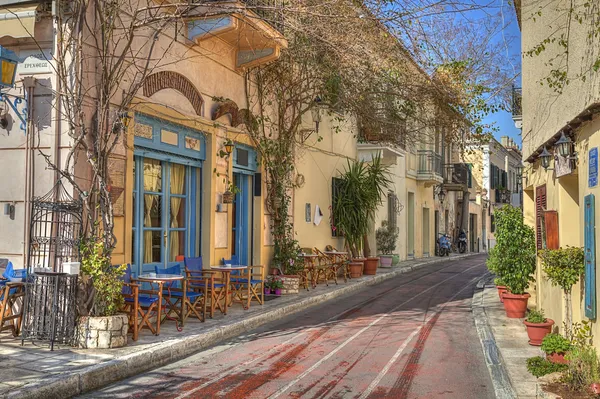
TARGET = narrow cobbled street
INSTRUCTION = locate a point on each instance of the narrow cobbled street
(410, 337)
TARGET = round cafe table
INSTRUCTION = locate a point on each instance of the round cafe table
(226, 271)
(167, 280)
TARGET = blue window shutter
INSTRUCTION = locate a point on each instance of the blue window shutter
(590, 257)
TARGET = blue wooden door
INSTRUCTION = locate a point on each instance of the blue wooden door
(241, 219)
(590, 256)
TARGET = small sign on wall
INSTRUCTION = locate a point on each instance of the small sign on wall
(307, 213)
(34, 61)
(593, 168)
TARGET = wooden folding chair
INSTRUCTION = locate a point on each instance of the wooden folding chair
(215, 285)
(142, 304)
(11, 307)
(328, 267)
(251, 285)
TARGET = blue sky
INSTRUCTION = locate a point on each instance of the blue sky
(503, 119)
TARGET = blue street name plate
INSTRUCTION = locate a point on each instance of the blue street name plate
(593, 170)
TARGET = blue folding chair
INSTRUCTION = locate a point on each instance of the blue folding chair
(8, 272)
(145, 305)
(198, 277)
(181, 301)
(11, 307)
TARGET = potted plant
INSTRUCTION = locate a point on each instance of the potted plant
(555, 346)
(386, 238)
(268, 286)
(276, 286)
(563, 267)
(361, 188)
(513, 258)
(102, 326)
(538, 326)
(395, 260)
(501, 287)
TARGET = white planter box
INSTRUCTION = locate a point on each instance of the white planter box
(71, 267)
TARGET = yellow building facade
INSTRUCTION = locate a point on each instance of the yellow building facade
(560, 192)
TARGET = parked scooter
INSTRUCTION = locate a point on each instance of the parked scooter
(462, 242)
(444, 245)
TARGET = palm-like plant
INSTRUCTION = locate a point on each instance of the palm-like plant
(360, 191)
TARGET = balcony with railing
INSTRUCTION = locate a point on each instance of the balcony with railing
(429, 167)
(503, 196)
(457, 177)
(252, 27)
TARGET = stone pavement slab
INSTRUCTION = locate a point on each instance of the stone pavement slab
(507, 339)
(33, 371)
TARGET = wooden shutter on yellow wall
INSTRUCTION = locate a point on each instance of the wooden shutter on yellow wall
(540, 206)
(551, 230)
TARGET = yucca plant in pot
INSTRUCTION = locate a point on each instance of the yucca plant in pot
(360, 192)
(513, 258)
(538, 326)
(386, 237)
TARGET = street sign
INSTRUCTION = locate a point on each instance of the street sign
(593, 169)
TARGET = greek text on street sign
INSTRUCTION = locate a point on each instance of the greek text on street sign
(593, 169)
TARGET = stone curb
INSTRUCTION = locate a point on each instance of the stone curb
(94, 377)
(503, 387)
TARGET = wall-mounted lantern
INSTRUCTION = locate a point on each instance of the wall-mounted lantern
(545, 158)
(229, 147)
(8, 67)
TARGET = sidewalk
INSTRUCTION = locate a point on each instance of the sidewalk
(504, 344)
(33, 371)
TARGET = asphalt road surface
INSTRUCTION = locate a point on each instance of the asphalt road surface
(410, 337)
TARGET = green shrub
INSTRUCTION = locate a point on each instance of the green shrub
(564, 267)
(583, 368)
(513, 257)
(538, 366)
(555, 343)
(499, 282)
(386, 238)
(105, 279)
(536, 316)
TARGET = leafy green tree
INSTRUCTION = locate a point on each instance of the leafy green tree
(564, 267)
(513, 257)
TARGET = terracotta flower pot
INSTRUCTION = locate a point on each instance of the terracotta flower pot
(371, 266)
(501, 290)
(356, 269)
(557, 358)
(515, 305)
(362, 262)
(537, 331)
(385, 260)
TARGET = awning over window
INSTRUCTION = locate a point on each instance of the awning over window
(17, 22)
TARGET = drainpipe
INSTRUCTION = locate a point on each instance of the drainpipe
(28, 84)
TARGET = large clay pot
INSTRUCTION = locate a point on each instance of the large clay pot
(557, 358)
(385, 260)
(537, 331)
(356, 269)
(501, 290)
(515, 305)
(371, 266)
(362, 261)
